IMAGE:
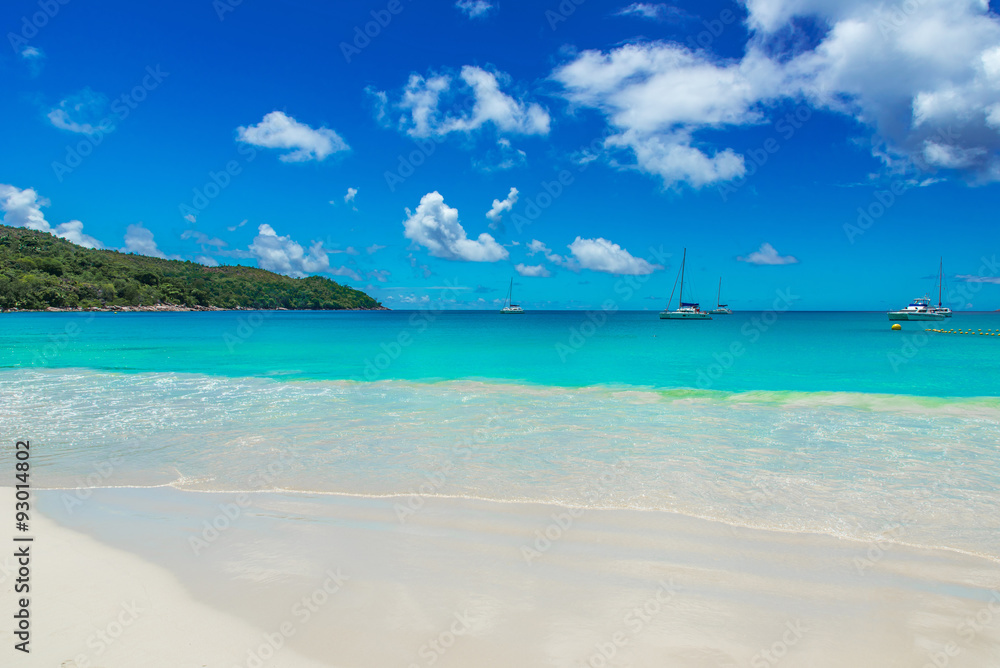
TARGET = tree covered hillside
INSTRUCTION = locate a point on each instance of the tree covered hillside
(39, 270)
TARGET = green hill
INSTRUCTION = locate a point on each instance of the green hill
(39, 270)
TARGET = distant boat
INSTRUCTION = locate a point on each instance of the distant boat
(919, 309)
(508, 307)
(943, 310)
(685, 310)
(720, 308)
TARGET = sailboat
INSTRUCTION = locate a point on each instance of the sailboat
(720, 308)
(508, 307)
(685, 310)
(943, 310)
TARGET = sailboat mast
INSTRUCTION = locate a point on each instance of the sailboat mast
(718, 297)
(510, 292)
(940, 280)
(680, 298)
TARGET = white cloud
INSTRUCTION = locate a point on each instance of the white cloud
(374, 248)
(238, 226)
(207, 260)
(83, 113)
(766, 254)
(282, 255)
(602, 255)
(434, 225)
(140, 240)
(73, 231)
(652, 11)
(474, 8)
(31, 52)
(280, 131)
(972, 278)
(191, 218)
(500, 207)
(423, 98)
(204, 240)
(537, 246)
(351, 194)
(533, 271)
(923, 76)
(23, 208)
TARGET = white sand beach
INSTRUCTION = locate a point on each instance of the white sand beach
(132, 577)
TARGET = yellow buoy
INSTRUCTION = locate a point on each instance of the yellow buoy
(897, 327)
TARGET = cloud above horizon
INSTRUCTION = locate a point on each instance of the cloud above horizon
(767, 255)
(23, 208)
(435, 226)
(303, 143)
(924, 78)
(439, 104)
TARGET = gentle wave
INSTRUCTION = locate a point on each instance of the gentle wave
(846, 464)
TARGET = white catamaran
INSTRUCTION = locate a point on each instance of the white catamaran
(685, 310)
(919, 309)
(508, 307)
(720, 308)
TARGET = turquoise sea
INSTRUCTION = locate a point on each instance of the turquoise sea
(807, 422)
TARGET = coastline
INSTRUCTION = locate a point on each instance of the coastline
(461, 582)
(172, 308)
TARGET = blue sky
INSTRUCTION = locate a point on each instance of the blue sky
(752, 133)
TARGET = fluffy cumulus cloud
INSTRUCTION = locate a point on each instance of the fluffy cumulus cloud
(767, 254)
(283, 255)
(474, 9)
(23, 208)
(439, 104)
(351, 194)
(302, 143)
(84, 113)
(140, 240)
(602, 255)
(434, 225)
(495, 214)
(922, 75)
(532, 270)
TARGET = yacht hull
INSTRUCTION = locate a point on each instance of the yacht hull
(670, 315)
(897, 315)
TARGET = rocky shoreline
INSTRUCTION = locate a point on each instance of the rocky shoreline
(169, 308)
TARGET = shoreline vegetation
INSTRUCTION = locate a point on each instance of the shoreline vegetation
(42, 272)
